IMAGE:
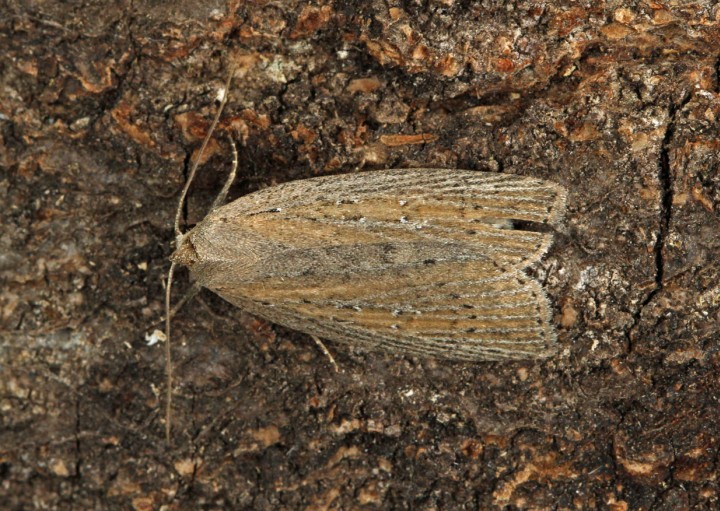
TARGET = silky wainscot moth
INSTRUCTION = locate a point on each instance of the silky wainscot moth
(413, 261)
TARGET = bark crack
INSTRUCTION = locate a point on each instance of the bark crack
(665, 179)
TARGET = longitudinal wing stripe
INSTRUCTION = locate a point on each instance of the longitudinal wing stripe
(436, 279)
(409, 296)
(458, 291)
(424, 180)
(455, 188)
(430, 299)
(434, 305)
(485, 239)
(425, 322)
(412, 179)
(428, 208)
(511, 333)
(466, 230)
(349, 285)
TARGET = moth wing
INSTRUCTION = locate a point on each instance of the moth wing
(502, 196)
(506, 316)
(393, 207)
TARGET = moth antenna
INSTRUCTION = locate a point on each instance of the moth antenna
(178, 235)
(196, 163)
(231, 177)
(168, 355)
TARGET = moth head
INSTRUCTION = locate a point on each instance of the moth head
(185, 253)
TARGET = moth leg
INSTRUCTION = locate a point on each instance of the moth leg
(220, 199)
(189, 295)
(326, 352)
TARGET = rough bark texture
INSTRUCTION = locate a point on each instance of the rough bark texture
(102, 105)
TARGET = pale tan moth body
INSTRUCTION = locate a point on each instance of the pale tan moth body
(412, 261)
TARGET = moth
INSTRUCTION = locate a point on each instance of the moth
(413, 261)
(423, 261)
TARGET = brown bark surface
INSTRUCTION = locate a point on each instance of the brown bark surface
(102, 105)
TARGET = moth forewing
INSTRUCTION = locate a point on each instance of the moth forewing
(417, 261)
